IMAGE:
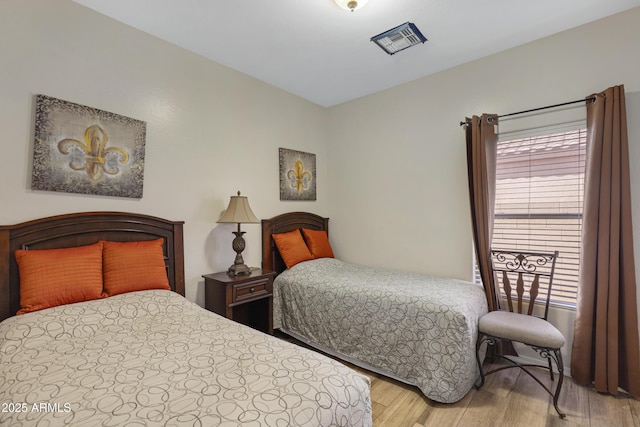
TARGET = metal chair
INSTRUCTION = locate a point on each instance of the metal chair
(516, 325)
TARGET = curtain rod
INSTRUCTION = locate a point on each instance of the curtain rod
(592, 99)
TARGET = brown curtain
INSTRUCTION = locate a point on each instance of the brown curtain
(605, 348)
(482, 140)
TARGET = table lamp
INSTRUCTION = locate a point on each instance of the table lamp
(238, 212)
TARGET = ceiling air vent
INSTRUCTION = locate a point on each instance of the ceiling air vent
(399, 38)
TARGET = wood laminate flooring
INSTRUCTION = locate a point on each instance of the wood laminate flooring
(509, 398)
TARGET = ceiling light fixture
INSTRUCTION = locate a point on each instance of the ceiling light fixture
(399, 38)
(351, 4)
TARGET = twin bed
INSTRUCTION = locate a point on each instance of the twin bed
(139, 353)
(416, 328)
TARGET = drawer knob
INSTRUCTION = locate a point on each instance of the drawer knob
(252, 290)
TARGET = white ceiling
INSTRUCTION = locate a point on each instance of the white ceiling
(322, 53)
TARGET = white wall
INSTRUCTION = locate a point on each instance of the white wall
(210, 130)
(398, 179)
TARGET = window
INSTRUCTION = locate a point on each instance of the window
(539, 198)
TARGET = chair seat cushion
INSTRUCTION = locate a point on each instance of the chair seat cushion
(522, 328)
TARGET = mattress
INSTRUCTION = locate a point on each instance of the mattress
(417, 328)
(154, 358)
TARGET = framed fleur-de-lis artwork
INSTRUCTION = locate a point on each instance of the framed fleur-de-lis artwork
(297, 175)
(80, 149)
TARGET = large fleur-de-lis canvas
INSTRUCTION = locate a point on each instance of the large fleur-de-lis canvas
(79, 149)
(297, 175)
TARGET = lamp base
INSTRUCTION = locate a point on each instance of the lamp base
(238, 270)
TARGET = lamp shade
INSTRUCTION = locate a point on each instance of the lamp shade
(239, 211)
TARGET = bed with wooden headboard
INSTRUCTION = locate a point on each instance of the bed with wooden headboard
(271, 259)
(416, 328)
(79, 229)
(147, 356)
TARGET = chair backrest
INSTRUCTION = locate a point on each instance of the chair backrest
(524, 276)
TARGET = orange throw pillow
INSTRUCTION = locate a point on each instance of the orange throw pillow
(133, 266)
(52, 277)
(292, 247)
(318, 243)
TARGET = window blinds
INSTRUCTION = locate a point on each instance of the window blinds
(539, 198)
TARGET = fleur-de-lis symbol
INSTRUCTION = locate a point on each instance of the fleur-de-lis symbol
(299, 178)
(92, 154)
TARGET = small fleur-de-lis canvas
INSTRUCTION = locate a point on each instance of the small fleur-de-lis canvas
(79, 149)
(297, 175)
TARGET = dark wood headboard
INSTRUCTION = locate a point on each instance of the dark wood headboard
(271, 259)
(85, 228)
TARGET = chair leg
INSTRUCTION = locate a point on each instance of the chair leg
(479, 342)
(547, 353)
(556, 395)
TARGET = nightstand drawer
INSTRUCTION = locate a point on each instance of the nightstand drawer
(251, 290)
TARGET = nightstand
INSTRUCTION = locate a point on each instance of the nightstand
(247, 299)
